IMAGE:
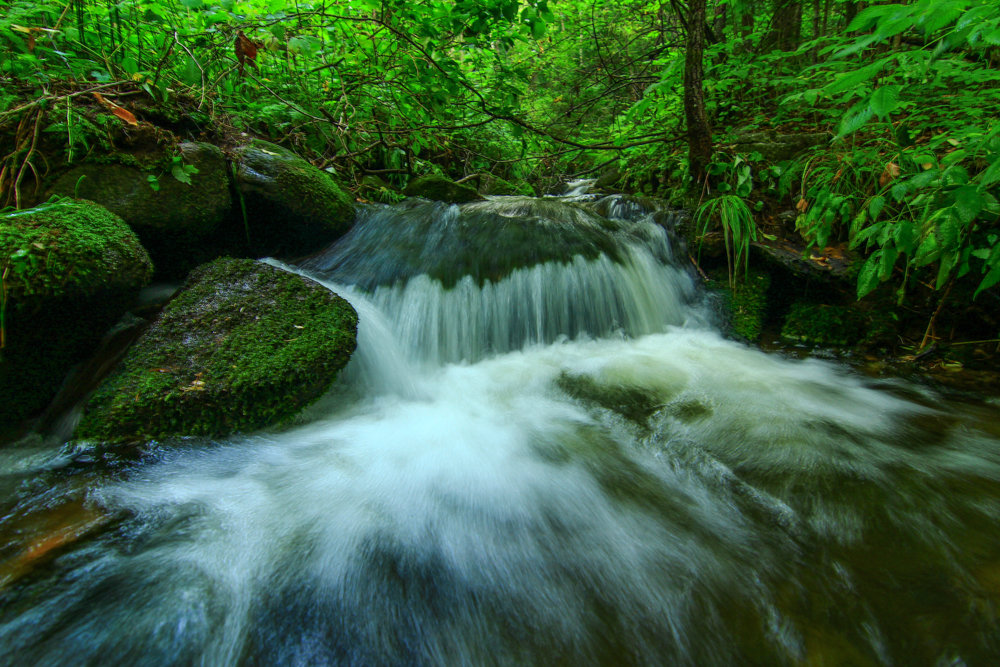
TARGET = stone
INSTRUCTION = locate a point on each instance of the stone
(72, 268)
(441, 188)
(292, 208)
(174, 220)
(243, 346)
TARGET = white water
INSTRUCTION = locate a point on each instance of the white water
(566, 465)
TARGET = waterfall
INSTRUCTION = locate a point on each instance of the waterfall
(542, 452)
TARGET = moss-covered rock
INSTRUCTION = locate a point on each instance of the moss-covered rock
(823, 325)
(242, 346)
(174, 220)
(71, 270)
(494, 185)
(292, 208)
(441, 188)
(746, 303)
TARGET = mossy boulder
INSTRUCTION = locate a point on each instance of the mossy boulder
(745, 303)
(824, 325)
(441, 188)
(243, 346)
(71, 269)
(292, 208)
(175, 220)
(494, 185)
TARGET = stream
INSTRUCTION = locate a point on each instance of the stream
(543, 452)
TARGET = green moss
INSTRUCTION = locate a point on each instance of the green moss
(494, 185)
(68, 248)
(243, 346)
(440, 188)
(820, 324)
(197, 208)
(745, 304)
(176, 221)
(293, 208)
(72, 269)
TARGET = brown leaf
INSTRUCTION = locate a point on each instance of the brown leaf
(125, 115)
(117, 111)
(802, 205)
(891, 172)
(246, 51)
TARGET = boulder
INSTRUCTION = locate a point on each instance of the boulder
(242, 346)
(292, 208)
(71, 269)
(175, 220)
(494, 185)
(441, 188)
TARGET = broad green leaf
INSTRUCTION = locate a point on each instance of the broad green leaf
(889, 255)
(868, 277)
(991, 279)
(968, 204)
(181, 174)
(875, 206)
(905, 236)
(885, 100)
(854, 119)
(992, 173)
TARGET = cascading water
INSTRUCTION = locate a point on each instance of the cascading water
(541, 453)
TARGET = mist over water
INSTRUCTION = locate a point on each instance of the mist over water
(559, 462)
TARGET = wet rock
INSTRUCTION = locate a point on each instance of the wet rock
(745, 303)
(821, 324)
(494, 185)
(174, 220)
(71, 270)
(292, 208)
(441, 188)
(242, 346)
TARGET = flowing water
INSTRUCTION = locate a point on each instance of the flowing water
(541, 453)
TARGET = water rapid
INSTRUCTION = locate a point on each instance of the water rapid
(541, 453)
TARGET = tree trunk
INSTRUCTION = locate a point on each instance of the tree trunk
(786, 26)
(698, 132)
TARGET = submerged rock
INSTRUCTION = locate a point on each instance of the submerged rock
(485, 241)
(174, 219)
(441, 188)
(71, 269)
(292, 208)
(242, 346)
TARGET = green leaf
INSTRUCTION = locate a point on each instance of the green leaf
(992, 173)
(181, 174)
(991, 279)
(868, 277)
(889, 255)
(928, 252)
(875, 206)
(968, 204)
(885, 100)
(851, 80)
(854, 119)
(905, 236)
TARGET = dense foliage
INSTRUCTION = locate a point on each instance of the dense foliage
(903, 96)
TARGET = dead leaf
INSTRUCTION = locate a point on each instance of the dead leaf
(125, 115)
(117, 111)
(890, 173)
(246, 51)
(802, 205)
